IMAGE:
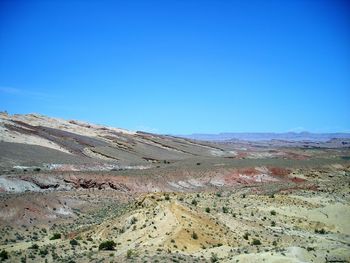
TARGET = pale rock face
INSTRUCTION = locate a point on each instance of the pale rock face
(78, 127)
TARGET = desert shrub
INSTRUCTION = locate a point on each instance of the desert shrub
(167, 197)
(107, 245)
(320, 231)
(224, 209)
(130, 253)
(246, 236)
(43, 252)
(273, 212)
(256, 242)
(214, 258)
(273, 223)
(194, 202)
(34, 246)
(218, 194)
(74, 242)
(4, 255)
(37, 169)
(55, 236)
(274, 243)
(194, 235)
(133, 220)
(198, 163)
(207, 210)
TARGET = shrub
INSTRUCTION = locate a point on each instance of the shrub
(224, 209)
(194, 235)
(207, 210)
(34, 246)
(4, 255)
(55, 236)
(43, 252)
(273, 223)
(273, 212)
(167, 197)
(130, 253)
(218, 194)
(107, 245)
(214, 258)
(320, 231)
(73, 242)
(246, 236)
(194, 202)
(133, 220)
(256, 242)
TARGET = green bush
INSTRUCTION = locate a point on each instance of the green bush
(320, 231)
(225, 209)
(34, 246)
(55, 236)
(246, 236)
(273, 212)
(4, 255)
(107, 245)
(214, 258)
(207, 210)
(194, 202)
(43, 252)
(133, 220)
(256, 242)
(130, 253)
(73, 242)
(194, 235)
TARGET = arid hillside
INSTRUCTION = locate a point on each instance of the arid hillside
(71, 191)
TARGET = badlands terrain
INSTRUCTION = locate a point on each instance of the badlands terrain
(72, 191)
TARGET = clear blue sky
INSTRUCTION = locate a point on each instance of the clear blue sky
(179, 66)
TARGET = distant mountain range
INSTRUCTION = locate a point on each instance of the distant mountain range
(266, 136)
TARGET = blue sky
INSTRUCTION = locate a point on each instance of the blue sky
(180, 66)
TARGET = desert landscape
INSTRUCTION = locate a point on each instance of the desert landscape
(72, 191)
